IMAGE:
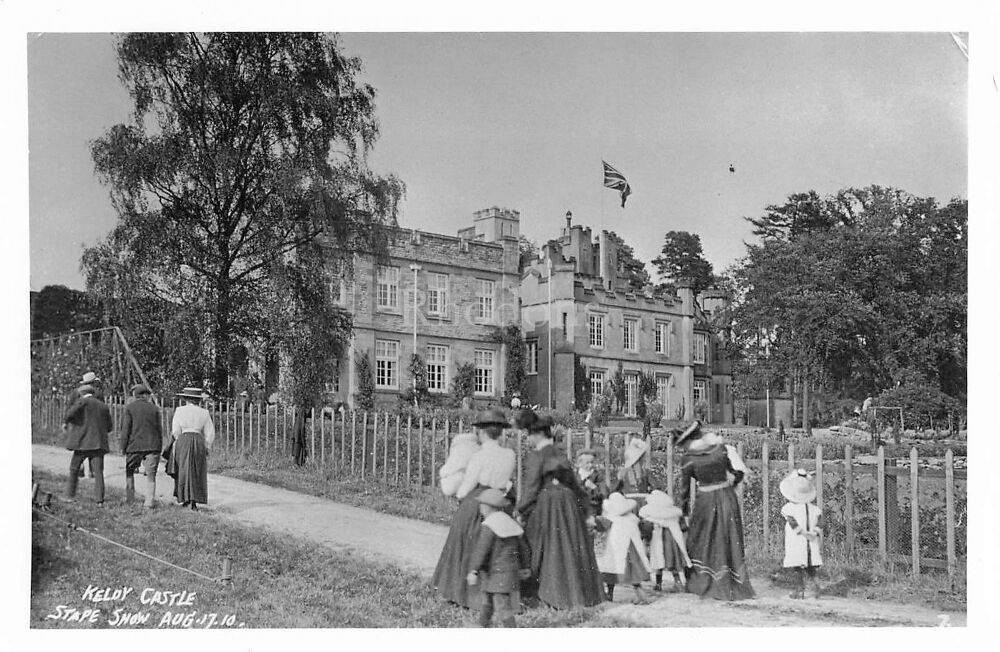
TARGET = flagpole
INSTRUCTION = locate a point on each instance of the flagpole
(551, 354)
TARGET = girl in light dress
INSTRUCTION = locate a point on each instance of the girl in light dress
(803, 531)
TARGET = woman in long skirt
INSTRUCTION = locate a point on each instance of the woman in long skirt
(556, 512)
(492, 467)
(193, 433)
(715, 534)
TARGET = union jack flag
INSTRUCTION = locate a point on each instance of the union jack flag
(616, 181)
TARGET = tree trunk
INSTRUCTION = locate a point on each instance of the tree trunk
(221, 335)
(795, 397)
(805, 402)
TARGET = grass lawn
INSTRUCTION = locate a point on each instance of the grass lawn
(278, 581)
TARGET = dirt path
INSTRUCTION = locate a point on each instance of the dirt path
(416, 545)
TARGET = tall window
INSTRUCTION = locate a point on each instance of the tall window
(595, 325)
(629, 327)
(700, 348)
(337, 291)
(387, 364)
(663, 391)
(484, 297)
(484, 371)
(700, 391)
(531, 353)
(597, 382)
(388, 287)
(437, 294)
(631, 393)
(662, 333)
(437, 367)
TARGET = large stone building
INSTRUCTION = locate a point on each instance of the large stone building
(576, 307)
(467, 286)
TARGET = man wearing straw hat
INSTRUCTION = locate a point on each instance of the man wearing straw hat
(142, 439)
(87, 424)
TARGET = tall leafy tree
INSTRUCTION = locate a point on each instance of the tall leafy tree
(681, 257)
(629, 266)
(57, 309)
(244, 150)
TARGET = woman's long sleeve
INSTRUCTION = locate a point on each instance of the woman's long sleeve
(532, 484)
(687, 473)
(470, 477)
(209, 431)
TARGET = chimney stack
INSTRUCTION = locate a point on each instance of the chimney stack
(569, 219)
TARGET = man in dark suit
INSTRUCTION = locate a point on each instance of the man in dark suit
(87, 424)
(142, 440)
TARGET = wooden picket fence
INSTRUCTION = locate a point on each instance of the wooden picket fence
(408, 451)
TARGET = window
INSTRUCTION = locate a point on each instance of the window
(437, 367)
(334, 387)
(718, 392)
(700, 348)
(629, 328)
(700, 391)
(597, 382)
(631, 394)
(484, 296)
(484, 371)
(663, 391)
(662, 334)
(437, 294)
(337, 291)
(387, 281)
(596, 327)
(531, 354)
(387, 364)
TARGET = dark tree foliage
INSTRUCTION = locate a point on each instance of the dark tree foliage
(581, 385)
(244, 149)
(364, 398)
(681, 258)
(630, 267)
(57, 309)
(463, 385)
(869, 293)
(515, 379)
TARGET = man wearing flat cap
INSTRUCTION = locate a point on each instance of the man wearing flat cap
(142, 440)
(87, 424)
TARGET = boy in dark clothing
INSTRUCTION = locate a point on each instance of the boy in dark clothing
(500, 559)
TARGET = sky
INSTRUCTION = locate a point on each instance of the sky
(523, 121)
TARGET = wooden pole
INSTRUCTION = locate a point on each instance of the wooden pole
(949, 512)
(385, 450)
(243, 432)
(259, 423)
(322, 436)
(819, 477)
(914, 513)
(520, 463)
(396, 440)
(791, 456)
(569, 444)
(880, 485)
(343, 437)
(765, 502)
(420, 453)
(741, 489)
(409, 449)
(364, 443)
(312, 433)
(433, 451)
(670, 466)
(849, 497)
(354, 436)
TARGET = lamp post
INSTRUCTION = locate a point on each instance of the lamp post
(416, 268)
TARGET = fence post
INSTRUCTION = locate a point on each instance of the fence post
(409, 445)
(880, 486)
(259, 445)
(354, 436)
(343, 437)
(420, 453)
(849, 497)
(243, 431)
(949, 513)
(914, 513)
(434, 430)
(819, 477)
(765, 484)
(670, 465)
(396, 440)
(385, 450)
(520, 480)
(791, 456)
(569, 444)
(312, 433)
(364, 443)
(322, 435)
(607, 456)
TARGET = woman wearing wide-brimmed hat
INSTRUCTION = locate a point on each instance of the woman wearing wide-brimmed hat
(491, 467)
(556, 512)
(715, 534)
(193, 433)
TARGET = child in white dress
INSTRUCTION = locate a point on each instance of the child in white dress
(803, 531)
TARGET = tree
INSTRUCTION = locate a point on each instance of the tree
(515, 379)
(365, 396)
(633, 269)
(528, 249)
(57, 309)
(416, 392)
(244, 149)
(463, 385)
(681, 258)
(581, 385)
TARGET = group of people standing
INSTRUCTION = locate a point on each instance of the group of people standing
(504, 549)
(88, 423)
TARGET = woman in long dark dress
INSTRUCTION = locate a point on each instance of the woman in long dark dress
(492, 467)
(715, 534)
(193, 433)
(556, 513)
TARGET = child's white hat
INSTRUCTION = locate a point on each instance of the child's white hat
(617, 505)
(660, 506)
(798, 487)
